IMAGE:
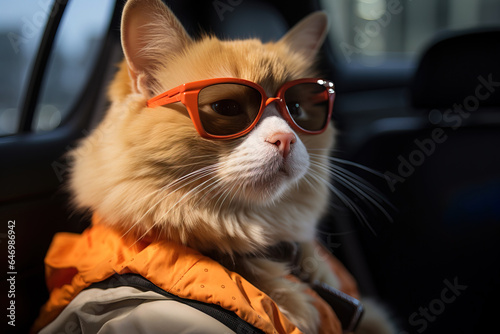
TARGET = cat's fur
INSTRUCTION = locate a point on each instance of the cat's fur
(148, 172)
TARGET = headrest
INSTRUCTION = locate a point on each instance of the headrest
(453, 69)
(249, 19)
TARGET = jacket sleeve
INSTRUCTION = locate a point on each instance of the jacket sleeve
(132, 311)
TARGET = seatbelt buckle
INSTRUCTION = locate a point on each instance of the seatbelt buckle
(349, 310)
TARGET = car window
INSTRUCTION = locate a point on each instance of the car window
(77, 42)
(21, 28)
(375, 33)
(76, 47)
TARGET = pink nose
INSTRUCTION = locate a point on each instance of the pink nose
(283, 141)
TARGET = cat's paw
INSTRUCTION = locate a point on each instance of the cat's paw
(296, 305)
(289, 294)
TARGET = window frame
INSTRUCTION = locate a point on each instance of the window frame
(38, 70)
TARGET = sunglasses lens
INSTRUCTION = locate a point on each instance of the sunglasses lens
(308, 105)
(226, 109)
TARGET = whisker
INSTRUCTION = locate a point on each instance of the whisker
(358, 186)
(363, 184)
(345, 200)
(354, 182)
(360, 193)
(198, 157)
(323, 232)
(194, 176)
(310, 184)
(213, 186)
(171, 208)
(351, 163)
(228, 193)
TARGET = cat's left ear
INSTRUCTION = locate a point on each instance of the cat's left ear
(307, 36)
(151, 34)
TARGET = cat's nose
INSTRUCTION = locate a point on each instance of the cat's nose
(283, 141)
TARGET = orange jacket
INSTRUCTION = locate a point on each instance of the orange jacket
(75, 261)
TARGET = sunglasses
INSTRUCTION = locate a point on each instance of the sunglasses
(228, 108)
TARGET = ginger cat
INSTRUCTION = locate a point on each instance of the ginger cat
(150, 173)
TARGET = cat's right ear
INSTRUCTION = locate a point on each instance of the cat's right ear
(150, 35)
(307, 36)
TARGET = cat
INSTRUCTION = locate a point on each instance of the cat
(151, 175)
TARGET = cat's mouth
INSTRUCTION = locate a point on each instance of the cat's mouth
(273, 180)
(281, 168)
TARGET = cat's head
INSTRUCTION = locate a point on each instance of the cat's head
(149, 172)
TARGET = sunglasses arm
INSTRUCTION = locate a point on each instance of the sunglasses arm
(165, 98)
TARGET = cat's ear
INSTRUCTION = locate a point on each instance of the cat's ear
(307, 36)
(150, 34)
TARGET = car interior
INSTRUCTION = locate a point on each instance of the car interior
(418, 132)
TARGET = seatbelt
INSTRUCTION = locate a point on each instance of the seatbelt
(349, 310)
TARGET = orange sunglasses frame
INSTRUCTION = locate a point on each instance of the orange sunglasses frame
(187, 94)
